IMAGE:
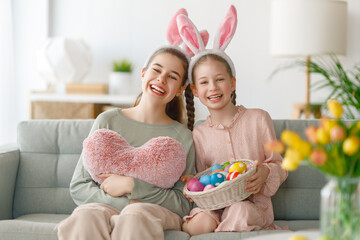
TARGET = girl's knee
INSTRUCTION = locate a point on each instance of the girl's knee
(201, 223)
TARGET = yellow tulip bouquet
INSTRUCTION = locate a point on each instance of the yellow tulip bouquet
(334, 149)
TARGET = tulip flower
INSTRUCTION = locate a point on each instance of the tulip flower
(310, 133)
(327, 124)
(351, 145)
(290, 138)
(318, 157)
(323, 137)
(335, 108)
(337, 134)
(289, 165)
(275, 146)
(293, 155)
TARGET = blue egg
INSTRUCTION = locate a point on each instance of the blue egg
(216, 179)
(205, 179)
(216, 167)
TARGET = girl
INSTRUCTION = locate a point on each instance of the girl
(229, 133)
(124, 207)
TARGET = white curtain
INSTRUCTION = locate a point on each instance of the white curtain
(8, 99)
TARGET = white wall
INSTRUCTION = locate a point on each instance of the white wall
(115, 29)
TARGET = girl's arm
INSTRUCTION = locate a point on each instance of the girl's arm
(173, 198)
(273, 161)
(84, 190)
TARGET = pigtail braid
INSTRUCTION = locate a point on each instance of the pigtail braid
(233, 97)
(190, 108)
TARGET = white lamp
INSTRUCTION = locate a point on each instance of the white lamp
(308, 28)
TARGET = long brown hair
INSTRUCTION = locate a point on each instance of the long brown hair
(190, 97)
(175, 108)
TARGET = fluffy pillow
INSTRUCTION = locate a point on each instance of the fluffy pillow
(160, 161)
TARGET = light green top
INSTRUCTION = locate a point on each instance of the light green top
(84, 190)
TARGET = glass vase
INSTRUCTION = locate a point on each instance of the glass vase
(340, 209)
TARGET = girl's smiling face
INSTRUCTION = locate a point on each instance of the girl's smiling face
(213, 84)
(163, 78)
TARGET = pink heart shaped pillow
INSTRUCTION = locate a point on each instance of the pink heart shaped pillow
(160, 161)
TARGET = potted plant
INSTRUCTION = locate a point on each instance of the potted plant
(344, 84)
(120, 77)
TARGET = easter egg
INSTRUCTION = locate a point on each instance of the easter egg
(224, 173)
(208, 187)
(238, 167)
(225, 164)
(226, 169)
(191, 182)
(216, 179)
(196, 186)
(232, 175)
(216, 171)
(215, 167)
(205, 179)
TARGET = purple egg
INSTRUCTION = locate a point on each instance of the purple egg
(227, 167)
(196, 187)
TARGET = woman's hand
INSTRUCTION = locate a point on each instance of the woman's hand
(257, 180)
(184, 179)
(116, 185)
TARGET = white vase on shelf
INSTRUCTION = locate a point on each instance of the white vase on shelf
(119, 83)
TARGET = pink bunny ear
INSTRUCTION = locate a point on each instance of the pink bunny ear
(189, 34)
(227, 29)
(205, 38)
(172, 32)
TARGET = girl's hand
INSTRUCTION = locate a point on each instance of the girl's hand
(186, 178)
(116, 185)
(257, 180)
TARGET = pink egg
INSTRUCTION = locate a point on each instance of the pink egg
(196, 187)
(208, 187)
(191, 182)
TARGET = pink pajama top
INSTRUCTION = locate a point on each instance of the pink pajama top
(243, 138)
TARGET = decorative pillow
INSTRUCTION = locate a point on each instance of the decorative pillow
(160, 161)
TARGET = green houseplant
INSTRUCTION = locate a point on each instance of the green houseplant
(120, 77)
(343, 84)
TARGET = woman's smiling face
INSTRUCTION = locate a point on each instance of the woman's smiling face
(163, 78)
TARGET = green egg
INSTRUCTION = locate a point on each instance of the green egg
(225, 164)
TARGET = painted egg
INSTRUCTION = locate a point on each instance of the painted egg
(232, 175)
(205, 179)
(225, 164)
(191, 182)
(227, 167)
(216, 179)
(215, 167)
(208, 187)
(197, 186)
(224, 173)
(216, 171)
(238, 167)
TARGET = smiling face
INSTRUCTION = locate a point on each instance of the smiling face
(162, 79)
(213, 84)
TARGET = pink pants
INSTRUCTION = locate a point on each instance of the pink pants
(136, 221)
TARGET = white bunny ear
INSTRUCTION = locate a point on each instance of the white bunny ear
(189, 34)
(226, 30)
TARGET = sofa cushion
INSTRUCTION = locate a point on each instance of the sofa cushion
(49, 152)
(31, 227)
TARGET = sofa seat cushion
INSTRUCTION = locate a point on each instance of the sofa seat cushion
(234, 235)
(31, 227)
(296, 225)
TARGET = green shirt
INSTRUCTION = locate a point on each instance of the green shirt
(84, 190)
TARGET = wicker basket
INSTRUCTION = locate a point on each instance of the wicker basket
(226, 193)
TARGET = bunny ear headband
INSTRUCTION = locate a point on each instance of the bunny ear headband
(193, 38)
(175, 40)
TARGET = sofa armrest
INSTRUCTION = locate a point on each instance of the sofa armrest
(9, 162)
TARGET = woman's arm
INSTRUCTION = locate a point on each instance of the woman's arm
(173, 198)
